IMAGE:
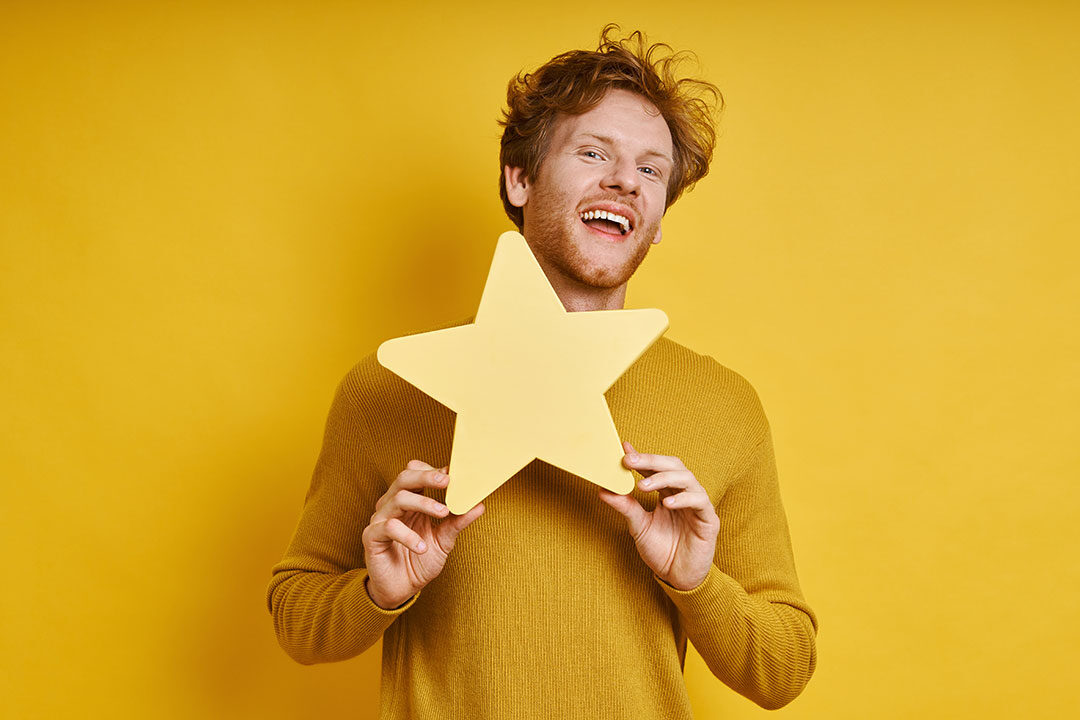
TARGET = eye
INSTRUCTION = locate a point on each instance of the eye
(592, 154)
(651, 171)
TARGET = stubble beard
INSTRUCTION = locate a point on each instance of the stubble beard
(551, 236)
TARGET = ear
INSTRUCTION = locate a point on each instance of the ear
(517, 185)
(659, 234)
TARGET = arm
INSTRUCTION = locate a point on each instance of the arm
(322, 611)
(357, 540)
(748, 619)
(729, 571)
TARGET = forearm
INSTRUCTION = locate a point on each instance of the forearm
(764, 650)
(324, 617)
(320, 606)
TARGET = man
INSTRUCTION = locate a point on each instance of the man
(564, 601)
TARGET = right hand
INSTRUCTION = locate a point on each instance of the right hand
(403, 548)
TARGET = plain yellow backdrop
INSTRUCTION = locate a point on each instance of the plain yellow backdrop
(210, 210)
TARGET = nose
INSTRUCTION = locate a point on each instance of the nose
(622, 177)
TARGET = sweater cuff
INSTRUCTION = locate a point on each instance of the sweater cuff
(372, 618)
(393, 612)
(716, 591)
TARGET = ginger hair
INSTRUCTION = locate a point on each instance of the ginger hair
(576, 81)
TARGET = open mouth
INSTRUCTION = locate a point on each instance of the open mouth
(606, 222)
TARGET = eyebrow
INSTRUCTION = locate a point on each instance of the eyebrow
(611, 141)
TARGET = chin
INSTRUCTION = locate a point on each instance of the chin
(601, 277)
(600, 282)
(611, 275)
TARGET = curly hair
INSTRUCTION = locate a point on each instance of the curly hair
(576, 81)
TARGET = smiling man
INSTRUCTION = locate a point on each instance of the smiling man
(564, 601)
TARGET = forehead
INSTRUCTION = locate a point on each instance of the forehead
(622, 117)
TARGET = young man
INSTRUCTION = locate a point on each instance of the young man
(564, 601)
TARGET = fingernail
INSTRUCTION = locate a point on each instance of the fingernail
(421, 546)
(632, 457)
(645, 484)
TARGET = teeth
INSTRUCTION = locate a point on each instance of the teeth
(605, 215)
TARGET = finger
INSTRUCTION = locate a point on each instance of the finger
(637, 518)
(654, 463)
(394, 530)
(418, 479)
(448, 530)
(698, 502)
(404, 501)
(413, 478)
(628, 450)
(416, 474)
(675, 480)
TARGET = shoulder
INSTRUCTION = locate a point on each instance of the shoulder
(689, 405)
(705, 383)
(716, 409)
(684, 358)
(379, 393)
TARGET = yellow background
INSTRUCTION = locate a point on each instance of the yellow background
(209, 211)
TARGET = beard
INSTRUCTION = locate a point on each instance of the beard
(551, 236)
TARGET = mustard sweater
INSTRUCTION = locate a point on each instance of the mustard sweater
(545, 609)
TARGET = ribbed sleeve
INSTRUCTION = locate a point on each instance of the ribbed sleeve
(321, 608)
(762, 650)
(322, 617)
(748, 619)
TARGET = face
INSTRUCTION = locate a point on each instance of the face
(595, 206)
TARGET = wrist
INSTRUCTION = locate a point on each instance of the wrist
(386, 602)
(684, 583)
(687, 589)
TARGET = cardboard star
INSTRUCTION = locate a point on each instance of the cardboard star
(526, 379)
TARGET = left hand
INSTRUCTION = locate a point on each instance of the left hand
(677, 539)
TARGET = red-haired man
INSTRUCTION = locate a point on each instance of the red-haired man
(563, 604)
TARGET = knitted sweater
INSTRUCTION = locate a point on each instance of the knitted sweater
(545, 609)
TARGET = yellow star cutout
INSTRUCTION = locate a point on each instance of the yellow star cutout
(526, 379)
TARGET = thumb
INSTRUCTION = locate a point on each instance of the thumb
(447, 531)
(627, 506)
